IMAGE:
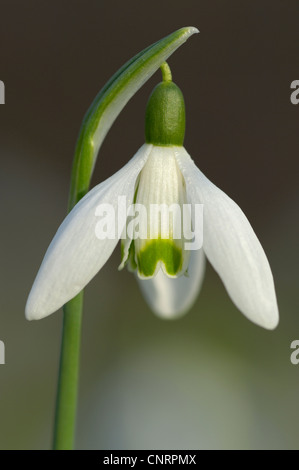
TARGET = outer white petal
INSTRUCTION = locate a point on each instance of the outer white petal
(75, 254)
(232, 247)
(171, 298)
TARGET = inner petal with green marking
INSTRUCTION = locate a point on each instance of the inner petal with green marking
(158, 236)
(159, 254)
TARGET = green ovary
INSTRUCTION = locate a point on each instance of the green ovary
(159, 250)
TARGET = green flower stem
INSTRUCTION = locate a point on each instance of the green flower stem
(99, 118)
(68, 375)
(166, 72)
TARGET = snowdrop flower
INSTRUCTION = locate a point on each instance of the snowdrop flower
(170, 276)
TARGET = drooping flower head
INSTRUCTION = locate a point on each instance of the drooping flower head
(172, 199)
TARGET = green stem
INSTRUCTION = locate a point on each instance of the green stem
(166, 72)
(68, 375)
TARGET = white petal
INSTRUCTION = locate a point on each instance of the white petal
(232, 247)
(76, 254)
(171, 298)
(161, 194)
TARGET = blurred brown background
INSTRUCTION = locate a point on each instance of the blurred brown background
(211, 380)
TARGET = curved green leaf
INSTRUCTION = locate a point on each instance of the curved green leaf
(111, 100)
